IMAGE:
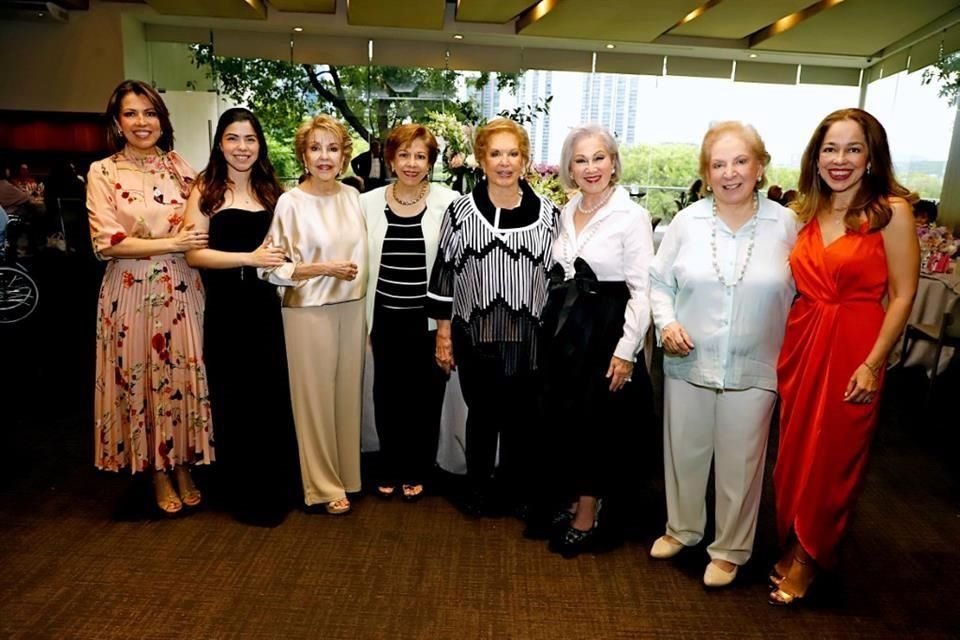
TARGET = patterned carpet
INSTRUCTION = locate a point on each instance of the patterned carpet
(69, 569)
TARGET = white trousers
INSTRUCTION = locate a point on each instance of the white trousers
(731, 428)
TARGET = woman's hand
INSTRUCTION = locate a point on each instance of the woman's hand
(444, 352)
(675, 340)
(620, 373)
(863, 385)
(341, 269)
(188, 239)
(266, 255)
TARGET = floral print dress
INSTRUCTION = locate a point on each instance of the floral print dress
(151, 402)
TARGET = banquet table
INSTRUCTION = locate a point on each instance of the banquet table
(935, 293)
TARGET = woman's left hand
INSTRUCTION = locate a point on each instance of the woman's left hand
(620, 373)
(862, 387)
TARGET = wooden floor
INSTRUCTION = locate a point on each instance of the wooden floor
(69, 569)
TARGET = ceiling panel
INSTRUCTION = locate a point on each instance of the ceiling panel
(857, 27)
(486, 11)
(620, 20)
(409, 14)
(329, 50)
(242, 9)
(739, 19)
(747, 71)
(305, 6)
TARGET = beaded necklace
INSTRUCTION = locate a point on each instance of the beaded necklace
(753, 239)
(407, 203)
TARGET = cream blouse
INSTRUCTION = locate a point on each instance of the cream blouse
(313, 228)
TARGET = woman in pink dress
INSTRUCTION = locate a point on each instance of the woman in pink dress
(150, 407)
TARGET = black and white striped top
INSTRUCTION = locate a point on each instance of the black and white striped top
(402, 281)
(490, 276)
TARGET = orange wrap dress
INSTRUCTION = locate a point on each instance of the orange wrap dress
(831, 329)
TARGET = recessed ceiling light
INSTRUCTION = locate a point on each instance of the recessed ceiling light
(298, 29)
(610, 45)
(458, 36)
(753, 55)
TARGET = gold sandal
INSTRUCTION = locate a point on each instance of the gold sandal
(780, 597)
(189, 493)
(167, 499)
(338, 507)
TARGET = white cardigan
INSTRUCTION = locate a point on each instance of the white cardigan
(373, 203)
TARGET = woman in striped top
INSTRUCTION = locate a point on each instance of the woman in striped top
(403, 229)
(487, 290)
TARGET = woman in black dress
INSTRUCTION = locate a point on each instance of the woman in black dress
(243, 344)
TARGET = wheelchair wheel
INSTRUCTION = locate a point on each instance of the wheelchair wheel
(18, 295)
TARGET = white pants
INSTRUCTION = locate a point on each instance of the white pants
(730, 427)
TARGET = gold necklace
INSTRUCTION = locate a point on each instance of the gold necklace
(407, 203)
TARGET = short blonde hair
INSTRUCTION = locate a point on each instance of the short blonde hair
(747, 133)
(331, 125)
(501, 125)
(576, 135)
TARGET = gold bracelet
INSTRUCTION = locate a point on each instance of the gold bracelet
(875, 372)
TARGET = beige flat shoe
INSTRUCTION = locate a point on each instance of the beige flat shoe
(664, 548)
(716, 577)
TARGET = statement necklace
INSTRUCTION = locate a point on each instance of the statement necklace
(407, 203)
(713, 243)
(596, 208)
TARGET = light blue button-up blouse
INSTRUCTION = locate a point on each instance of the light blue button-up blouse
(736, 330)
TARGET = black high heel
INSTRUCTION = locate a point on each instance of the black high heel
(571, 542)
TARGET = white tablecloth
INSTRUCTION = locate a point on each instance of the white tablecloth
(934, 295)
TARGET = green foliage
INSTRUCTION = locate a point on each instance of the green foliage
(945, 72)
(545, 180)
(525, 114)
(663, 165)
(283, 156)
(370, 99)
(927, 186)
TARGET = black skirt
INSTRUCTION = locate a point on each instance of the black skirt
(591, 432)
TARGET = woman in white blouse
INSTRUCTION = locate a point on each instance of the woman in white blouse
(320, 227)
(720, 289)
(595, 319)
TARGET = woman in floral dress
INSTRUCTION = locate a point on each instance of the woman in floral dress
(150, 407)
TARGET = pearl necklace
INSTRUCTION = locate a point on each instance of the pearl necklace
(407, 203)
(599, 205)
(753, 239)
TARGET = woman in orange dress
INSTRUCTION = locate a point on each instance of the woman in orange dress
(151, 404)
(859, 244)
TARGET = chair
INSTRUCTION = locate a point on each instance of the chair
(946, 333)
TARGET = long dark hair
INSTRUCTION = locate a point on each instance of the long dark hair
(215, 179)
(878, 185)
(115, 136)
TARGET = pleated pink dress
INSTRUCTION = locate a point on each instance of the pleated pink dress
(151, 405)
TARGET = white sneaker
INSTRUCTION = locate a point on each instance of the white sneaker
(664, 548)
(714, 576)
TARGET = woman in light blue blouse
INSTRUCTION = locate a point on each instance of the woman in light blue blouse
(720, 289)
